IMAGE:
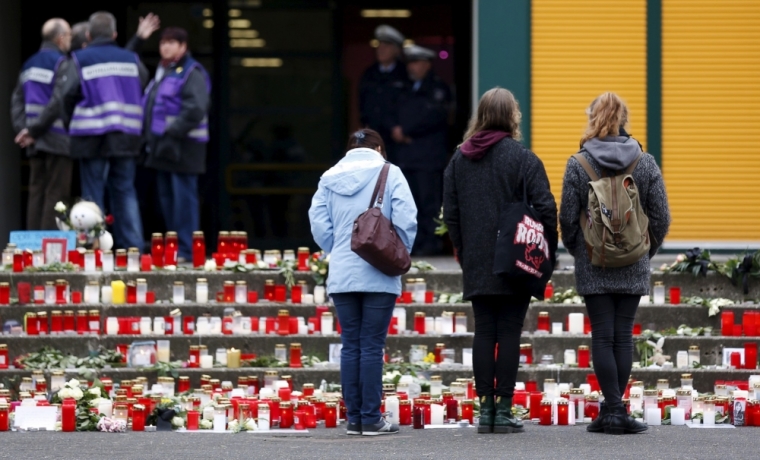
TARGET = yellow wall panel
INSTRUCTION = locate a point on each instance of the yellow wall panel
(580, 49)
(711, 118)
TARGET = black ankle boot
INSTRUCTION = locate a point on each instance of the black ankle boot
(619, 422)
(597, 426)
(504, 420)
(485, 421)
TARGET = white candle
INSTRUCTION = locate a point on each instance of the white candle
(106, 294)
(263, 421)
(221, 356)
(220, 422)
(106, 261)
(319, 294)
(677, 415)
(400, 314)
(557, 328)
(307, 298)
(644, 300)
(585, 387)
(89, 261)
(392, 407)
(105, 408)
(570, 357)
(208, 413)
(581, 411)
(326, 324)
(575, 323)
(653, 416)
(207, 362)
(262, 325)
(708, 417)
(467, 357)
(265, 393)
(159, 326)
(429, 325)
(436, 414)
(145, 323)
(439, 325)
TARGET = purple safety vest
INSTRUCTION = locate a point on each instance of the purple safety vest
(112, 101)
(168, 101)
(38, 80)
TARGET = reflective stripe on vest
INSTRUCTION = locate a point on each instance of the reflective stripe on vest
(38, 79)
(112, 92)
(167, 103)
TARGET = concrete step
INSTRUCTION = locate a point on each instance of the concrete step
(704, 379)
(450, 281)
(654, 317)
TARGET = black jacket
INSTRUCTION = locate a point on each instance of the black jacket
(423, 116)
(162, 151)
(473, 192)
(39, 128)
(378, 100)
(114, 144)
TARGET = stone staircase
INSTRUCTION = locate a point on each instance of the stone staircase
(655, 317)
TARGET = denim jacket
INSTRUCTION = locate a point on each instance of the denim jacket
(344, 193)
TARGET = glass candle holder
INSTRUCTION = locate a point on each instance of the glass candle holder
(658, 293)
(694, 355)
(750, 355)
(584, 358)
(543, 322)
(526, 353)
(229, 291)
(303, 259)
(326, 324)
(89, 261)
(675, 295)
(133, 260)
(550, 388)
(61, 291)
(545, 412)
(460, 322)
(684, 401)
(107, 261)
(280, 293)
(93, 319)
(171, 249)
(201, 290)
(157, 249)
(331, 415)
(199, 249)
(563, 412)
(419, 322)
(295, 355)
(269, 290)
(286, 415)
(178, 292)
(241, 292)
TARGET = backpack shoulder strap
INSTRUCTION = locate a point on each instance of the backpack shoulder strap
(586, 166)
(377, 195)
(634, 164)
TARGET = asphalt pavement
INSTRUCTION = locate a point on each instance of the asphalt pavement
(537, 442)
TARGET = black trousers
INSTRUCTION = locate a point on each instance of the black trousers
(498, 321)
(612, 317)
(49, 183)
(427, 190)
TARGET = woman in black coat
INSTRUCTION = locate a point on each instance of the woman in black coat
(488, 171)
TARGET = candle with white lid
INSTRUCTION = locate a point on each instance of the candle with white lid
(570, 357)
(89, 261)
(557, 328)
(178, 292)
(392, 407)
(207, 361)
(319, 294)
(106, 261)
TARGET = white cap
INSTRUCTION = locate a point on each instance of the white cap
(418, 53)
(386, 33)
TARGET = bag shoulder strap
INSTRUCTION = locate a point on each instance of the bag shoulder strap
(377, 195)
(587, 166)
(634, 164)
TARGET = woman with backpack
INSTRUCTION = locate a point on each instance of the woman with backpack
(489, 171)
(364, 296)
(614, 217)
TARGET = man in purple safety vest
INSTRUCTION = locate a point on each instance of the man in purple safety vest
(35, 111)
(102, 107)
(176, 106)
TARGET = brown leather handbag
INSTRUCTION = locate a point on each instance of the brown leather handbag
(374, 237)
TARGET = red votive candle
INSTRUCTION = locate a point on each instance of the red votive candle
(253, 297)
(283, 322)
(303, 259)
(121, 259)
(286, 415)
(295, 354)
(4, 417)
(269, 325)
(736, 360)
(545, 412)
(636, 329)
(737, 330)
(68, 415)
(543, 322)
(406, 297)
(583, 356)
(419, 322)
(5, 293)
(146, 262)
(157, 249)
(280, 293)
(563, 412)
(170, 249)
(727, 323)
(535, 404)
(467, 410)
(138, 417)
(531, 386)
(24, 291)
(18, 261)
(293, 325)
(748, 323)
(429, 296)
(452, 409)
(750, 355)
(76, 297)
(675, 295)
(32, 324)
(193, 417)
(199, 250)
(295, 294)
(331, 415)
(188, 325)
(419, 418)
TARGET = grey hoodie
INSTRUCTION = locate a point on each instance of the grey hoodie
(612, 153)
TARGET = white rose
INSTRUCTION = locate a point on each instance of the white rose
(94, 391)
(262, 264)
(250, 425)
(210, 265)
(323, 271)
(171, 268)
(232, 425)
(73, 383)
(327, 258)
(60, 207)
(206, 424)
(178, 422)
(77, 394)
(64, 393)
(680, 258)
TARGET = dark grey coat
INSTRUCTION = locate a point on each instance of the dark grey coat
(633, 279)
(473, 192)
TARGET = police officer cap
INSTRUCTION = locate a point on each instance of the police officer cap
(386, 33)
(418, 53)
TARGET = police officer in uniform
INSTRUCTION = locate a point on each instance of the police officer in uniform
(35, 111)
(176, 134)
(381, 86)
(423, 113)
(102, 106)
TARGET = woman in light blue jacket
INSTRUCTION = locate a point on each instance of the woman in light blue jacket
(363, 296)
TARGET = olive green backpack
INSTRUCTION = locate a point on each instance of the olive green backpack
(614, 225)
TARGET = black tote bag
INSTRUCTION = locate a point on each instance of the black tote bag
(522, 252)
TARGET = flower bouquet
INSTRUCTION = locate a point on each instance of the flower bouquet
(320, 267)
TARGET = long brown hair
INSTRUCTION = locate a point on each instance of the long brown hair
(607, 114)
(366, 138)
(497, 110)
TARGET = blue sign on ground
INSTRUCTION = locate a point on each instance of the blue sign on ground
(32, 239)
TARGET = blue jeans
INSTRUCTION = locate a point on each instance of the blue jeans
(118, 174)
(178, 196)
(364, 319)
